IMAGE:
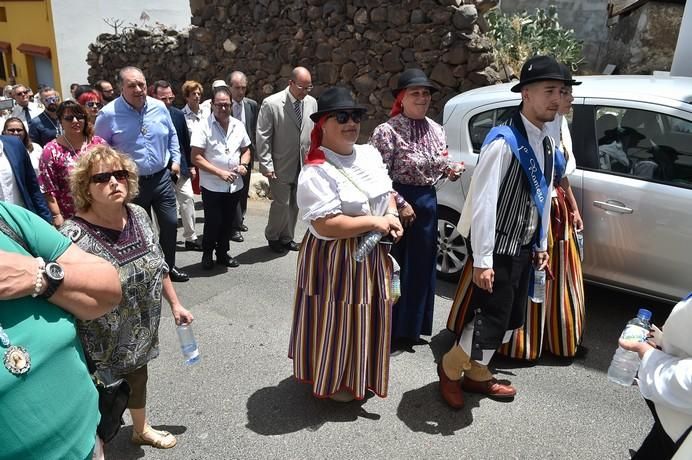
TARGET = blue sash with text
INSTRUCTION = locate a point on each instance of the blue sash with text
(523, 152)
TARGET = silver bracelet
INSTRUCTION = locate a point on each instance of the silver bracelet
(38, 282)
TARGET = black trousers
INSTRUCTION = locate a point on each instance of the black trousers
(505, 308)
(157, 191)
(219, 216)
(658, 445)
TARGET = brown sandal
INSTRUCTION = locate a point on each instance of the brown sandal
(155, 438)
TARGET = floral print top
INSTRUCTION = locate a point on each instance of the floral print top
(54, 169)
(127, 338)
(415, 151)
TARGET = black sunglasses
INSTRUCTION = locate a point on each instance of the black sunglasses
(72, 118)
(100, 178)
(91, 104)
(343, 116)
(15, 130)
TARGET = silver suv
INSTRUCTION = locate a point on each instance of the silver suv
(632, 139)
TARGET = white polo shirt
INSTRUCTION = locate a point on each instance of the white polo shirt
(221, 149)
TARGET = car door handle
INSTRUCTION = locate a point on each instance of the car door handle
(614, 206)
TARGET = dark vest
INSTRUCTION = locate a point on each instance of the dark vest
(514, 202)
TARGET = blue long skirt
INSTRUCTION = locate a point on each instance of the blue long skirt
(412, 315)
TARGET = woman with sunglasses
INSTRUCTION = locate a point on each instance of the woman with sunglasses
(15, 127)
(107, 224)
(415, 151)
(91, 101)
(59, 157)
(342, 311)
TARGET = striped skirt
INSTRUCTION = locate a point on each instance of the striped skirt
(558, 323)
(340, 336)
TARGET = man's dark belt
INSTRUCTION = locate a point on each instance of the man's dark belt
(152, 176)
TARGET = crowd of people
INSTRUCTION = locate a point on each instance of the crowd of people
(98, 166)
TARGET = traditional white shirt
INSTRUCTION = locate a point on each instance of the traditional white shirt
(222, 149)
(9, 192)
(353, 185)
(665, 377)
(479, 215)
(559, 131)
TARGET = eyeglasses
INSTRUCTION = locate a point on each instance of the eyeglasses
(21, 93)
(52, 100)
(107, 91)
(307, 88)
(223, 106)
(343, 116)
(102, 178)
(72, 118)
(14, 130)
(92, 104)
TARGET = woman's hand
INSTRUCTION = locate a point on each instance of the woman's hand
(181, 315)
(396, 230)
(407, 215)
(639, 347)
(17, 275)
(455, 170)
(577, 222)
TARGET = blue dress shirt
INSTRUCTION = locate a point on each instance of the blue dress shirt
(147, 136)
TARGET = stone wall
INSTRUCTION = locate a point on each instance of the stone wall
(357, 43)
(645, 39)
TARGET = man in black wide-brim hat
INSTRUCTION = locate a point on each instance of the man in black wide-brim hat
(505, 220)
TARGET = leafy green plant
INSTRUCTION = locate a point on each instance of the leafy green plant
(519, 36)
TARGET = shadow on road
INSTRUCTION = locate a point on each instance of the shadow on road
(424, 411)
(258, 255)
(290, 407)
(121, 448)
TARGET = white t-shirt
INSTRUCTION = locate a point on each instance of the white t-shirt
(323, 190)
(221, 149)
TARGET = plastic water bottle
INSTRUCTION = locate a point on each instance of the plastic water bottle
(625, 363)
(538, 286)
(366, 245)
(580, 244)
(188, 344)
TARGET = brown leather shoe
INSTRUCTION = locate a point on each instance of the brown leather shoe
(450, 389)
(491, 388)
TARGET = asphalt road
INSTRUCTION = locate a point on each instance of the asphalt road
(241, 401)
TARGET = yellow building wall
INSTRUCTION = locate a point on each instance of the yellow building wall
(28, 22)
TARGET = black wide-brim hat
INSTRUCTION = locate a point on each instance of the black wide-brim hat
(568, 75)
(413, 77)
(540, 68)
(334, 99)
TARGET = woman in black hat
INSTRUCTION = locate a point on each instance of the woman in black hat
(342, 312)
(415, 150)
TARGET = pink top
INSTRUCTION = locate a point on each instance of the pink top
(54, 169)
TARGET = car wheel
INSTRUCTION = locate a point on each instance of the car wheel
(451, 246)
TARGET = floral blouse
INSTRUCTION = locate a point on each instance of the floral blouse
(125, 339)
(415, 151)
(54, 169)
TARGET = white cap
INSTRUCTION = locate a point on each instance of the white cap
(219, 84)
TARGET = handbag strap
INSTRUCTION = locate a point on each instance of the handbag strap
(10, 232)
(352, 181)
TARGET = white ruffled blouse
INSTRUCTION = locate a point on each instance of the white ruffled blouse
(353, 185)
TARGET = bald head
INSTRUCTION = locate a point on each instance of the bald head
(238, 82)
(300, 83)
(134, 86)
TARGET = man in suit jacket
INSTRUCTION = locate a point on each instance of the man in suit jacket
(283, 138)
(183, 184)
(18, 183)
(245, 110)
